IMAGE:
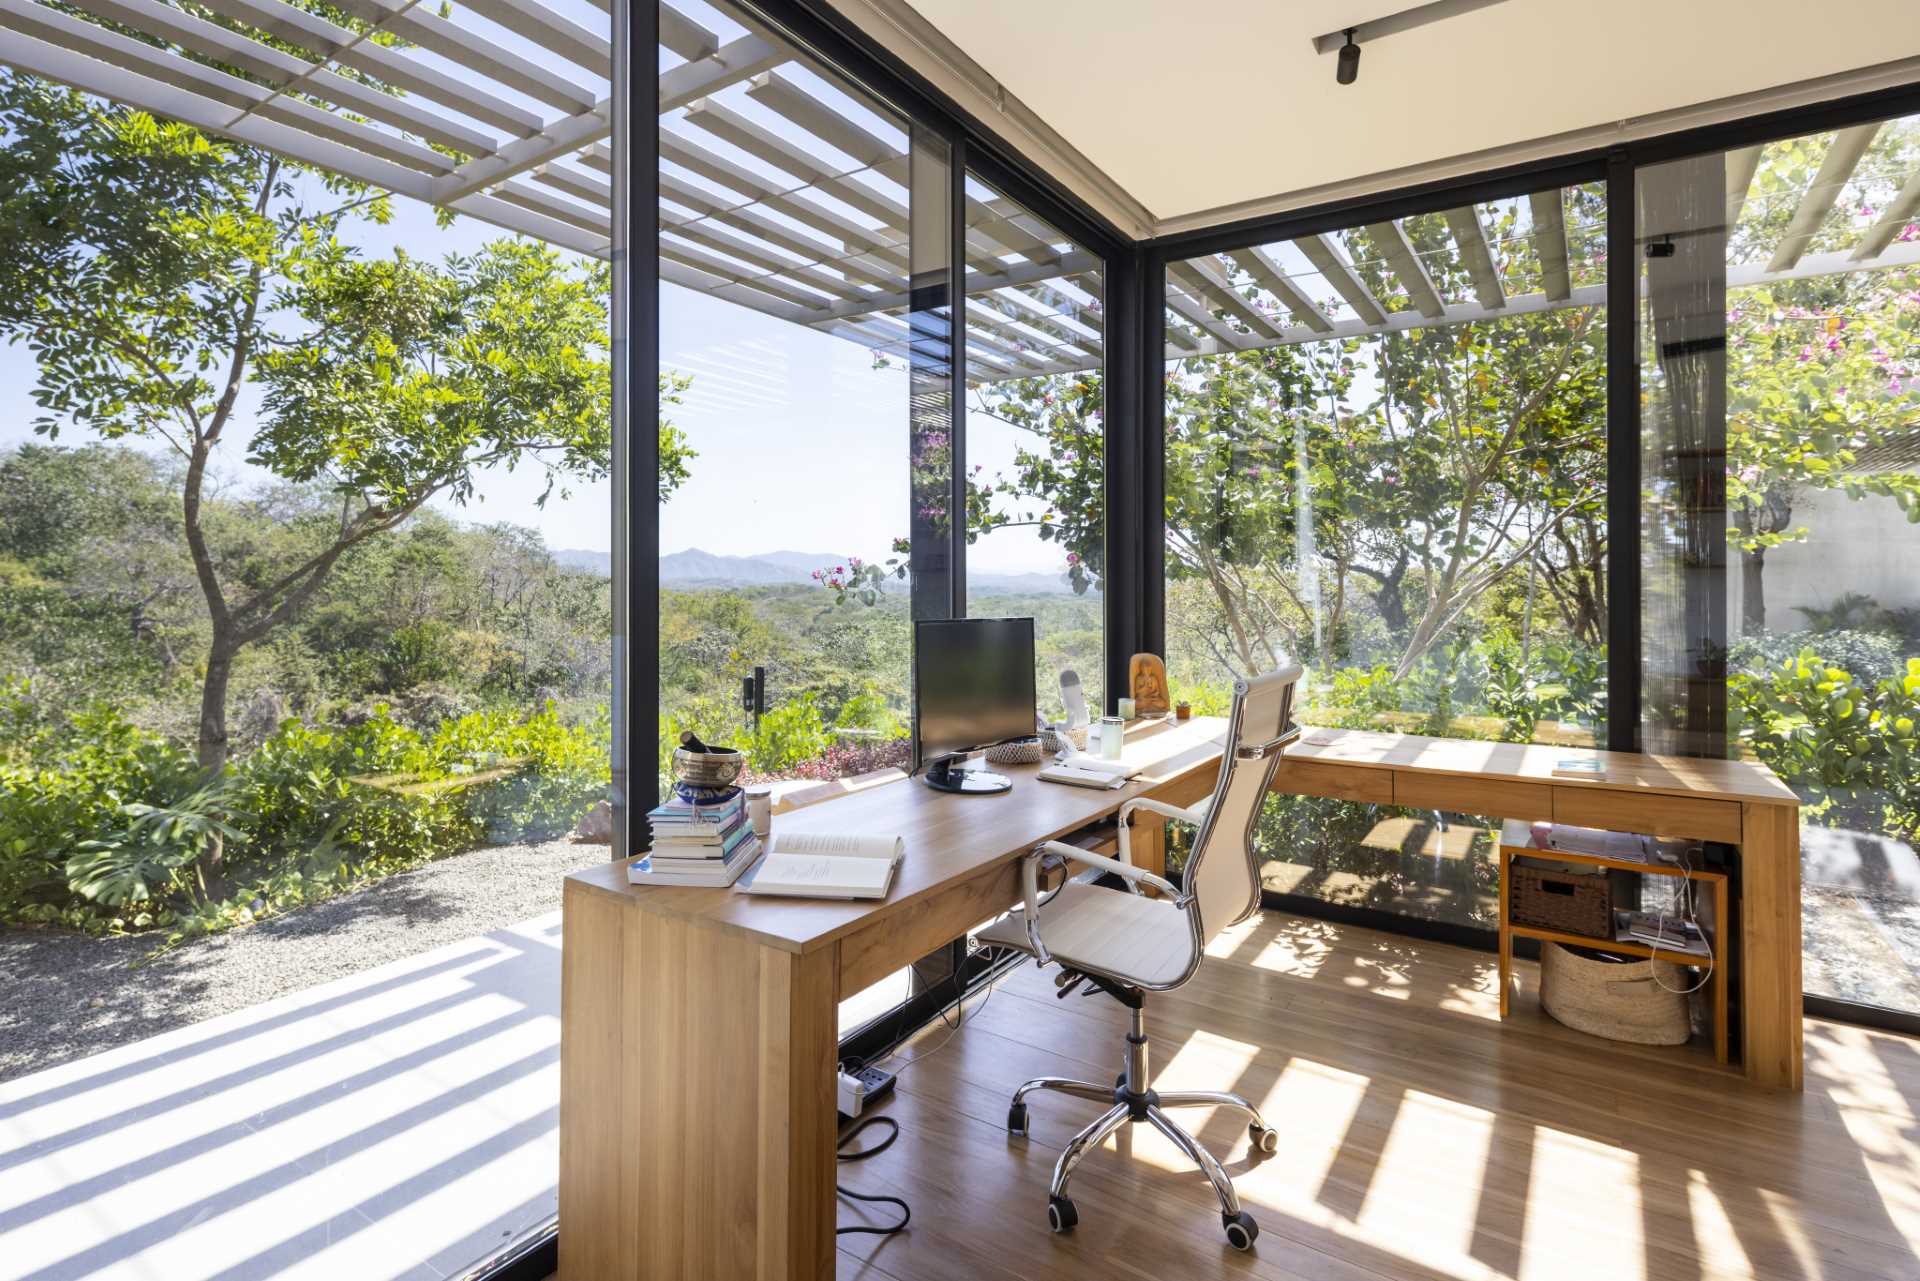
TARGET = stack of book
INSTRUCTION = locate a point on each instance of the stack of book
(706, 842)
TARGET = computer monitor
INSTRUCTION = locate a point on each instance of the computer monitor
(972, 688)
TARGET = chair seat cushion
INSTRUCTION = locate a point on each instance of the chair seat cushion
(1127, 936)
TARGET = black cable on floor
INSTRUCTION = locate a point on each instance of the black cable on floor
(861, 1154)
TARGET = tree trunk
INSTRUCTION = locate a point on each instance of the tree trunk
(1753, 591)
(213, 704)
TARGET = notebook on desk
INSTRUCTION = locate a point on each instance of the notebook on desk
(822, 865)
(1089, 771)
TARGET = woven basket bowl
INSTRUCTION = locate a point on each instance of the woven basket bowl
(1618, 1000)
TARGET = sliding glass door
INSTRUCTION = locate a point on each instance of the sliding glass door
(1780, 336)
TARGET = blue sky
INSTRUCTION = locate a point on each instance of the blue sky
(802, 442)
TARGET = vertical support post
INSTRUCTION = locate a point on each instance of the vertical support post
(634, 471)
(934, 341)
(1624, 606)
(1771, 1047)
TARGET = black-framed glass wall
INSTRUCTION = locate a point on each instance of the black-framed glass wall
(1780, 367)
(1768, 328)
(1385, 455)
(831, 464)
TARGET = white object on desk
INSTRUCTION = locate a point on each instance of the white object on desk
(1087, 771)
(1113, 737)
(1074, 698)
(1127, 707)
(822, 865)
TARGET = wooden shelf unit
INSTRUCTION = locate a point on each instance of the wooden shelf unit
(1516, 836)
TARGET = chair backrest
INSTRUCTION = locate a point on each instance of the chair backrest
(1222, 874)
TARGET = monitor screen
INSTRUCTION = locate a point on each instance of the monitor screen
(973, 684)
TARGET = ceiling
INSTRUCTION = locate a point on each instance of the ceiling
(1208, 104)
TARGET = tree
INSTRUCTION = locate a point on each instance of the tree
(1817, 371)
(155, 273)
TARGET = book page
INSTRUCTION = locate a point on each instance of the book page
(844, 845)
(822, 874)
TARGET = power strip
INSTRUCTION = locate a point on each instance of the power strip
(857, 1089)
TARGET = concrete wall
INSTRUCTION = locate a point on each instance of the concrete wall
(1852, 545)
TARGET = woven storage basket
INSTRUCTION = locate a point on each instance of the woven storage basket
(1021, 751)
(1050, 738)
(1613, 997)
(1571, 902)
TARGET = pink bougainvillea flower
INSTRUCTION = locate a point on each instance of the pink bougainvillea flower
(1073, 558)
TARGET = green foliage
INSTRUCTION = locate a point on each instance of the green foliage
(104, 826)
(1848, 747)
(149, 857)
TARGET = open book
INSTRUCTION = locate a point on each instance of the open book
(823, 865)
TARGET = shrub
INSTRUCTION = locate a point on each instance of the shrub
(1849, 748)
(1871, 654)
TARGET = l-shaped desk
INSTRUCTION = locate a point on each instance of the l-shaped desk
(699, 1027)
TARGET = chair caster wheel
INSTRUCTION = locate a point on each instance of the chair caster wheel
(1242, 1231)
(1017, 1120)
(1265, 1138)
(1061, 1216)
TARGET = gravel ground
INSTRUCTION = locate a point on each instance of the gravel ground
(64, 996)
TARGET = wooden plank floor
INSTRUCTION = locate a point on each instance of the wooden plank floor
(1421, 1139)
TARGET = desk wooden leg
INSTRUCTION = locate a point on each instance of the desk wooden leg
(1148, 843)
(696, 1101)
(1770, 1012)
(1506, 936)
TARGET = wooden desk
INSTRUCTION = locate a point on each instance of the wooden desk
(699, 1027)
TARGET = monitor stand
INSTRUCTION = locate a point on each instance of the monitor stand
(945, 776)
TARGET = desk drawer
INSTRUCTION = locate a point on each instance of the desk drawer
(1657, 815)
(1464, 794)
(1342, 782)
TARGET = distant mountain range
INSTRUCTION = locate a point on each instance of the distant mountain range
(695, 568)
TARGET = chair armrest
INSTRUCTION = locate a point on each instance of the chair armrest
(1157, 807)
(1134, 876)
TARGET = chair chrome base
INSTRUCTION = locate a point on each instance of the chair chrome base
(1133, 1102)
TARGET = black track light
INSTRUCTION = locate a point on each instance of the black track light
(1349, 60)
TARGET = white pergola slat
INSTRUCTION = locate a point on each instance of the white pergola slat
(1550, 243)
(1267, 274)
(1470, 238)
(775, 194)
(1398, 251)
(1338, 272)
(1818, 200)
(1742, 164)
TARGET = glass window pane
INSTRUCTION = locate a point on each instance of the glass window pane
(1781, 367)
(1386, 457)
(1036, 439)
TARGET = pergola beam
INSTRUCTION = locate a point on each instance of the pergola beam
(558, 35)
(1205, 280)
(731, 127)
(396, 67)
(884, 243)
(681, 34)
(733, 62)
(1470, 238)
(1550, 242)
(282, 70)
(1742, 163)
(1407, 269)
(560, 139)
(1269, 276)
(1333, 266)
(1849, 145)
(1900, 211)
(474, 51)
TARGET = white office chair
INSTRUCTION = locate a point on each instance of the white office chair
(1127, 944)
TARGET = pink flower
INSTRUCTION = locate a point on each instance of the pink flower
(1073, 558)
(1833, 343)
(1806, 354)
